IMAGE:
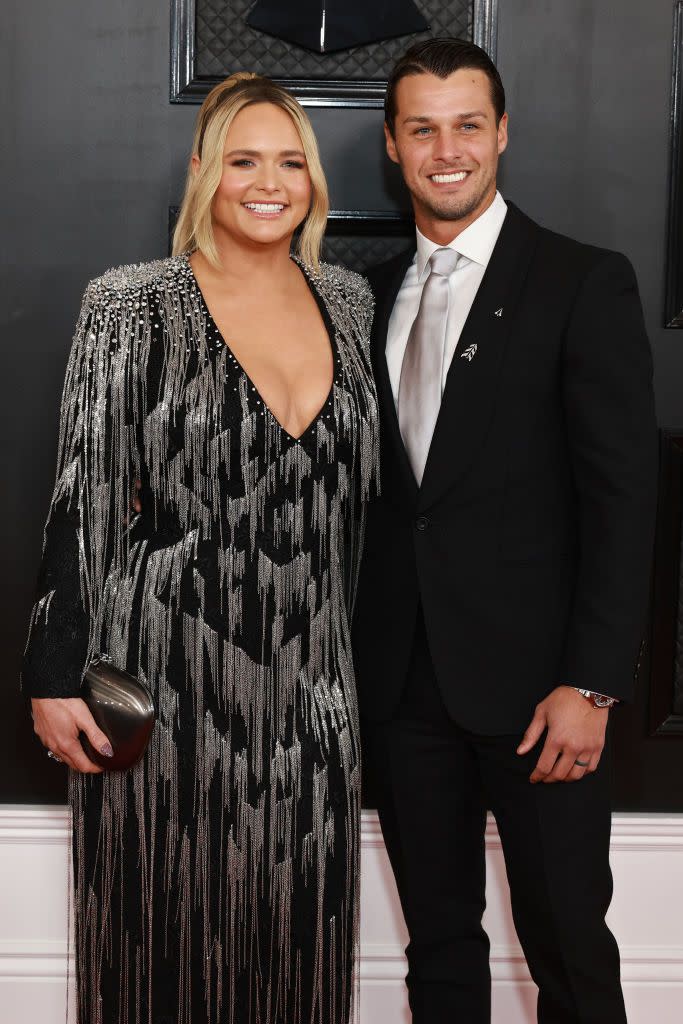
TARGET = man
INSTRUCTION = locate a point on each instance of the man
(505, 580)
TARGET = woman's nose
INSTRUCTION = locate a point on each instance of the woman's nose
(269, 180)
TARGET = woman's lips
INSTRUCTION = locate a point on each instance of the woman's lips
(269, 211)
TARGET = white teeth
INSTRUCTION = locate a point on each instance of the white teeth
(443, 179)
(265, 207)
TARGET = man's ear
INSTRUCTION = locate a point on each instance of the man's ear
(502, 134)
(392, 152)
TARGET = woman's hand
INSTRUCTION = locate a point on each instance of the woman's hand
(57, 721)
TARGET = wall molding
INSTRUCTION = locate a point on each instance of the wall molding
(37, 960)
(639, 964)
(51, 823)
(23, 960)
(630, 832)
(34, 960)
(35, 823)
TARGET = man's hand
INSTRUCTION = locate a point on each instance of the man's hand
(576, 732)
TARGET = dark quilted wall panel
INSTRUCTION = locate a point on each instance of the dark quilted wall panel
(360, 252)
(224, 43)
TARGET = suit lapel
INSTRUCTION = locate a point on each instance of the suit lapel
(386, 282)
(471, 388)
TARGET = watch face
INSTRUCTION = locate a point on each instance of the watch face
(602, 702)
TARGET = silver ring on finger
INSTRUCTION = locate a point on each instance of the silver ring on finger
(582, 764)
(53, 757)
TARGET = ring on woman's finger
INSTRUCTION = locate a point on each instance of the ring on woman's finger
(582, 764)
(51, 754)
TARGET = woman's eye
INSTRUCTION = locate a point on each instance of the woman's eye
(295, 164)
(244, 162)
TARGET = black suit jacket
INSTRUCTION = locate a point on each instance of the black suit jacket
(529, 542)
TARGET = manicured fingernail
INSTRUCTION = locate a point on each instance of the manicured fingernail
(107, 750)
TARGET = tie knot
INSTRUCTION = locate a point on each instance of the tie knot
(443, 262)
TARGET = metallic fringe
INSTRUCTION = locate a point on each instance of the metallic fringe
(232, 595)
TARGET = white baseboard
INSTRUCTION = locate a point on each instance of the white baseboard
(646, 916)
(39, 961)
(629, 832)
(649, 964)
(378, 962)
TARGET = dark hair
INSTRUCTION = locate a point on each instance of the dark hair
(441, 57)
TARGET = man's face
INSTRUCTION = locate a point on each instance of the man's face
(447, 144)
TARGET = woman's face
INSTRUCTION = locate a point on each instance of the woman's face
(265, 189)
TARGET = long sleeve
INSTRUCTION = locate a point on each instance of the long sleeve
(609, 408)
(85, 530)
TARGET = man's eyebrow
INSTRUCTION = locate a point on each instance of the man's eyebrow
(424, 119)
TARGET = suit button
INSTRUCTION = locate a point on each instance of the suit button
(421, 523)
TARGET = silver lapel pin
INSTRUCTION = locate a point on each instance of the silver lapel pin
(499, 312)
(469, 353)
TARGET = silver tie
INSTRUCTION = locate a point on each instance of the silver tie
(419, 389)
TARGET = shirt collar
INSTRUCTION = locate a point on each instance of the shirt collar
(476, 242)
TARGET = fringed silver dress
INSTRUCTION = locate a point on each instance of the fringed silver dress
(216, 882)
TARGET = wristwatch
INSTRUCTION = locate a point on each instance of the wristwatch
(598, 700)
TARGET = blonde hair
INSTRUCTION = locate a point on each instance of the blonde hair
(194, 229)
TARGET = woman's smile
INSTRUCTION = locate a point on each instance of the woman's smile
(265, 210)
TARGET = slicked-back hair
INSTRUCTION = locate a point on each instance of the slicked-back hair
(441, 57)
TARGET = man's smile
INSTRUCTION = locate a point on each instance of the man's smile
(449, 178)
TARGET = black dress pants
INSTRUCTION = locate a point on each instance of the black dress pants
(432, 782)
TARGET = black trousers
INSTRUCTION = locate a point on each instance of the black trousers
(432, 782)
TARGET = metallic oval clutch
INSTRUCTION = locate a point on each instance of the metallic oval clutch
(123, 708)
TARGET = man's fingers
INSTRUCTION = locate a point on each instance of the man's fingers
(533, 733)
(546, 761)
(562, 768)
(572, 766)
(584, 764)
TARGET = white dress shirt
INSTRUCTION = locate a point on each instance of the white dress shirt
(475, 245)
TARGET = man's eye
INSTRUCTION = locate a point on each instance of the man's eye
(422, 131)
(468, 126)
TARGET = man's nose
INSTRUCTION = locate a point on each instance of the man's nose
(447, 148)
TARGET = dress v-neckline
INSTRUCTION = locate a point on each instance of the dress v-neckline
(329, 329)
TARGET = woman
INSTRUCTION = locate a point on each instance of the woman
(218, 880)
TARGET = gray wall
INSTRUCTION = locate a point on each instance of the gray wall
(93, 154)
